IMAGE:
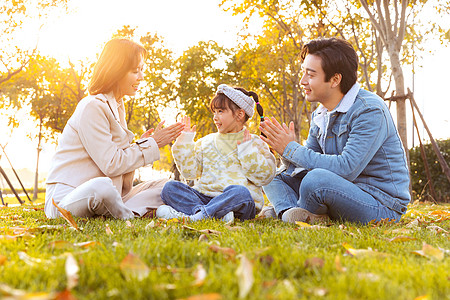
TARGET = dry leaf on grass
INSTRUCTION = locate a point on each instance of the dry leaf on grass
(338, 265)
(402, 238)
(108, 230)
(72, 270)
(430, 252)
(133, 267)
(211, 296)
(227, 251)
(2, 259)
(314, 263)
(204, 231)
(200, 275)
(14, 294)
(245, 276)
(363, 252)
(66, 215)
(64, 295)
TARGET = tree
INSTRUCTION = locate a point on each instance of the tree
(14, 15)
(201, 68)
(50, 92)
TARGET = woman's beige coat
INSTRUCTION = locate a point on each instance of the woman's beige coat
(96, 143)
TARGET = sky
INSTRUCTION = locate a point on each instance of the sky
(81, 34)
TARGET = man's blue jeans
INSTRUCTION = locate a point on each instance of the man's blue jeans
(185, 199)
(324, 192)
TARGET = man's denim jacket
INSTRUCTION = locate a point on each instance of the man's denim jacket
(363, 146)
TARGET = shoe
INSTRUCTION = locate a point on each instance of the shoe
(228, 218)
(295, 214)
(168, 212)
(268, 212)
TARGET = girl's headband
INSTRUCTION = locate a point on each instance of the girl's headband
(239, 98)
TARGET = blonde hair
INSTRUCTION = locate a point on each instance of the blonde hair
(119, 56)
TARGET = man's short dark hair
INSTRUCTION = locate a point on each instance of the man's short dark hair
(338, 57)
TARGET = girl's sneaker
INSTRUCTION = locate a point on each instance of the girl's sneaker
(228, 218)
(168, 212)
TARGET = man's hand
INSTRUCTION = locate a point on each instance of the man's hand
(277, 136)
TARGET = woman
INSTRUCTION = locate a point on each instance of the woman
(92, 170)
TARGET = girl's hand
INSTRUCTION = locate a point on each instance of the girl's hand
(247, 137)
(164, 136)
(187, 124)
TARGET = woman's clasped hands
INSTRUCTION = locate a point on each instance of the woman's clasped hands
(164, 135)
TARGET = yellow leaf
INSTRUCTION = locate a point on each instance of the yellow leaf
(337, 263)
(66, 215)
(133, 267)
(211, 296)
(2, 259)
(245, 276)
(402, 238)
(72, 270)
(430, 252)
(363, 252)
(302, 224)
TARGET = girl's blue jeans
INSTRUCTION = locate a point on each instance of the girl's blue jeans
(185, 199)
(323, 192)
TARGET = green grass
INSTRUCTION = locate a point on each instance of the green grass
(286, 261)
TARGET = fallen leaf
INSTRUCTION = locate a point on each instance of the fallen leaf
(66, 215)
(402, 238)
(430, 252)
(150, 225)
(60, 245)
(32, 261)
(245, 276)
(128, 223)
(203, 237)
(108, 230)
(227, 251)
(72, 270)
(205, 231)
(11, 293)
(133, 267)
(445, 215)
(314, 263)
(88, 244)
(302, 224)
(363, 252)
(337, 263)
(2, 259)
(65, 295)
(211, 296)
(423, 297)
(437, 229)
(199, 275)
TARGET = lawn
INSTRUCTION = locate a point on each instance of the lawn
(257, 259)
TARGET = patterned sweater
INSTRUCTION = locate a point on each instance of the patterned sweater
(216, 161)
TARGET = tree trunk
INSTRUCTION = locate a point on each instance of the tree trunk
(36, 175)
(399, 92)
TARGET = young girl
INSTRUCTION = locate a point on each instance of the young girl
(230, 166)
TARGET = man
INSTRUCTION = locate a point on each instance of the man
(353, 166)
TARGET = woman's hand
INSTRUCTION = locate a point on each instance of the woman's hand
(164, 136)
(187, 124)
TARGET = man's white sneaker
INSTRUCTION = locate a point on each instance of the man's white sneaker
(167, 212)
(228, 218)
(268, 212)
